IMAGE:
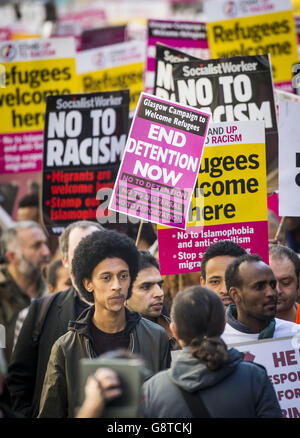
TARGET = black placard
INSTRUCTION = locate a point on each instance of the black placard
(232, 89)
(165, 57)
(84, 139)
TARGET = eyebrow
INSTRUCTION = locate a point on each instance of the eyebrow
(109, 272)
(145, 283)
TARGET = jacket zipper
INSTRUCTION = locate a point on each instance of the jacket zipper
(131, 342)
(89, 350)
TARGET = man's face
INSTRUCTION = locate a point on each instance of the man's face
(257, 297)
(215, 277)
(109, 283)
(75, 236)
(287, 282)
(34, 251)
(147, 294)
(28, 214)
(63, 281)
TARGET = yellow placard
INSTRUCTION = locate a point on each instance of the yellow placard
(22, 101)
(258, 35)
(231, 186)
(296, 6)
(116, 78)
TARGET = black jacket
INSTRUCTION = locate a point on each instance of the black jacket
(29, 361)
(61, 385)
(239, 389)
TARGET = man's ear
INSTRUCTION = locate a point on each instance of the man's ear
(88, 285)
(234, 293)
(11, 257)
(202, 281)
(174, 333)
(65, 263)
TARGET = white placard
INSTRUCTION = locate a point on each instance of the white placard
(289, 158)
(281, 358)
(218, 10)
(37, 49)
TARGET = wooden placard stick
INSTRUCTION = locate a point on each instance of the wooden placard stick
(139, 233)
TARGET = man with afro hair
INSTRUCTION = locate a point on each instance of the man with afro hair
(105, 264)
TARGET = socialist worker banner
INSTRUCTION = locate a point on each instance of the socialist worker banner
(161, 162)
(232, 89)
(34, 69)
(229, 199)
(84, 139)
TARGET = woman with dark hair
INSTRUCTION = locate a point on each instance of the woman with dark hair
(207, 379)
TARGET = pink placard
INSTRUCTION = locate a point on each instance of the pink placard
(21, 152)
(187, 36)
(182, 251)
(161, 162)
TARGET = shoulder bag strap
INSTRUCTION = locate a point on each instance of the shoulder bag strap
(46, 303)
(195, 404)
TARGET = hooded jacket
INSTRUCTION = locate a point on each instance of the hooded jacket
(239, 389)
(61, 385)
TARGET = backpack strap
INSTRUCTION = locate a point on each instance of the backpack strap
(195, 404)
(42, 313)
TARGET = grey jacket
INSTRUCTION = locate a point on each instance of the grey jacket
(239, 390)
(61, 385)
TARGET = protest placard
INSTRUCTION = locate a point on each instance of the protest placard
(161, 162)
(188, 36)
(229, 200)
(238, 88)
(165, 57)
(243, 28)
(34, 69)
(281, 358)
(113, 67)
(289, 158)
(84, 139)
(103, 36)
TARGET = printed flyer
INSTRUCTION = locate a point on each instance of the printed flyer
(84, 139)
(34, 69)
(161, 162)
(232, 89)
(232, 179)
(188, 36)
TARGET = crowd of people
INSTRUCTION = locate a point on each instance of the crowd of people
(101, 294)
(96, 293)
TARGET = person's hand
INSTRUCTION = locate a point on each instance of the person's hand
(100, 388)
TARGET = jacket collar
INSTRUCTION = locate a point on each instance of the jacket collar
(231, 319)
